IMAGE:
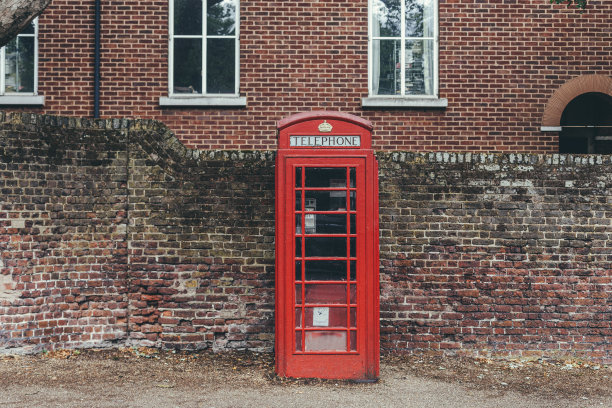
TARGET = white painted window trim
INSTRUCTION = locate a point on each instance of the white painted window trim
(21, 98)
(403, 100)
(202, 99)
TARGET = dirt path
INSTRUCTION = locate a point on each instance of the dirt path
(145, 377)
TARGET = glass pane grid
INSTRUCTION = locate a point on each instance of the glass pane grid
(325, 284)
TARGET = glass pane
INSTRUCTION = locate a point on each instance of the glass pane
(29, 29)
(387, 18)
(19, 64)
(298, 201)
(353, 224)
(298, 247)
(353, 177)
(298, 223)
(325, 246)
(386, 67)
(326, 270)
(353, 266)
(325, 293)
(419, 18)
(353, 316)
(353, 247)
(325, 177)
(298, 270)
(298, 317)
(188, 17)
(326, 224)
(220, 66)
(187, 65)
(298, 177)
(353, 203)
(419, 67)
(326, 200)
(325, 341)
(298, 294)
(353, 293)
(353, 340)
(298, 340)
(325, 317)
(221, 17)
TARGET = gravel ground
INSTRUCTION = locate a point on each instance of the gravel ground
(147, 377)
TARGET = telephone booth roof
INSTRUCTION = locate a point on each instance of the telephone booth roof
(324, 125)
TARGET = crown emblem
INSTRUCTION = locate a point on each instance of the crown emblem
(325, 127)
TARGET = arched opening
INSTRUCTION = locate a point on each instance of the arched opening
(586, 125)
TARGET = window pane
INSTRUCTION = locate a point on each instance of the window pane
(326, 270)
(323, 246)
(298, 177)
(325, 317)
(221, 17)
(419, 18)
(419, 67)
(19, 65)
(325, 200)
(326, 224)
(29, 29)
(326, 293)
(325, 341)
(188, 17)
(326, 177)
(386, 67)
(387, 18)
(187, 65)
(220, 66)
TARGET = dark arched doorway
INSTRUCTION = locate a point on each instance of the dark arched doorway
(586, 125)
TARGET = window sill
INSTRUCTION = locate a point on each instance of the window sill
(31, 100)
(234, 101)
(551, 129)
(395, 102)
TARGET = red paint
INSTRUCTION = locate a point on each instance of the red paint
(327, 278)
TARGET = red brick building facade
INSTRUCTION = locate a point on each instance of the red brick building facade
(500, 65)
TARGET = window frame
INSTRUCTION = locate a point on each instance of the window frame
(203, 98)
(21, 98)
(403, 99)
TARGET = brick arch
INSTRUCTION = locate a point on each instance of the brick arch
(571, 89)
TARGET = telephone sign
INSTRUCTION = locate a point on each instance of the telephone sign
(327, 301)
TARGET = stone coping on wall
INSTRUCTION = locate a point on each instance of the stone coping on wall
(161, 139)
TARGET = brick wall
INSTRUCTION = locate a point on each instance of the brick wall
(496, 253)
(63, 254)
(112, 232)
(500, 62)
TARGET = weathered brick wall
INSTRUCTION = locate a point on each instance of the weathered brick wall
(500, 62)
(63, 254)
(499, 253)
(113, 231)
(201, 238)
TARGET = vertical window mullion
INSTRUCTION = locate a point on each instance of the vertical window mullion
(35, 87)
(370, 50)
(204, 44)
(403, 48)
(2, 70)
(171, 49)
(237, 51)
(436, 52)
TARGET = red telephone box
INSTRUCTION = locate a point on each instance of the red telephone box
(327, 288)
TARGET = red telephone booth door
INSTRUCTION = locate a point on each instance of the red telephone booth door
(328, 260)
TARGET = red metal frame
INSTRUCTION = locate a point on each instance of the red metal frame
(303, 347)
